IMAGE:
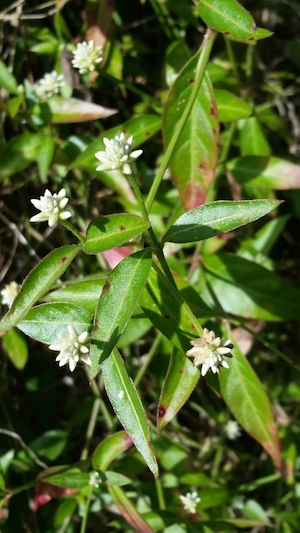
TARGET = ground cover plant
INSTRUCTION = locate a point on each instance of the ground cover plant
(149, 174)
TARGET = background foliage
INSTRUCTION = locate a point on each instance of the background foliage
(240, 142)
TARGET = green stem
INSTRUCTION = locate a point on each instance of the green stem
(160, 495)
(200, 71)
(73, 230)
(86, 512)
(96, 392)
(157, 248)
(91, 428)
(231, 57)
(148, 360)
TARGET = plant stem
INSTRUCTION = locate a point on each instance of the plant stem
(148, 360)
(160, 495)
(86, 512)
(96, 392)
(73, 230)
(157, 248)
(91, 428)
(200, 71)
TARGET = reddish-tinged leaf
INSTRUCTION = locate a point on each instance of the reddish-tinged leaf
(246, 398)
(266, 172)
(194, 159)
(58, 110)
(128, 511)
(180, 381)
(115, 256)
(109, 449)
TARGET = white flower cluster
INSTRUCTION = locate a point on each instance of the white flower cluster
(72, 349)
(189, 502)
(232, 429)
(51, 207)
(9, 293)
(208, 351)
(95, 479)
(49, 85)
(87, 56)
(118, 154)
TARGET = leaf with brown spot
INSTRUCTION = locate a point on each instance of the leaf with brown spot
(195, 156)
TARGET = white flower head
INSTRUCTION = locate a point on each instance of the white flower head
(95, 479)
(232, 429)
(189, 501)
(72, 348)
(9, 293)
(208, 351)
(51, 207)
(87, 56)
(118, 154)
(49, 85)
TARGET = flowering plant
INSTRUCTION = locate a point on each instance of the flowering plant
(139, 274)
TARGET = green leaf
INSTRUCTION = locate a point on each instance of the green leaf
(177, 54)
(246, 398)
(231, 107)
(218, 217)
(7, 80)
(58, 110)
(230, 18)
(168, 312)
(180, 381)
(128, 406)
(114, 479)
(19, 153)
(194, 161)
(69, 478)
(141, 128)
(109, 449)
(252, 139)
(37, 283)
(51, 444)
(45, 157)
(118, 299)
(16, 348)
(244, 288)
(85, 293)
(110, 231)
(266, 172)
(45, 322)
(128, 511)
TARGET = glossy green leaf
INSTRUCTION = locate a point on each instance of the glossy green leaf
(85, 293)
(231, 107)
(247, 400)
(67, 477)
(218, 217)
(45, 322)
(128, 511)
(110, 231)
(58, 110)
(194, 160)
(119, 297)
(7, 80)
(266, 172)
(177, 54)
(109, 449)
(16, 348)
(252, 139)
(37, 283)
(141, 128)
(19, 153)
(180, 381)
(128, 406)
(167, 310)
(232, 19)
(244, 288)
(114, 479)
(45, 157)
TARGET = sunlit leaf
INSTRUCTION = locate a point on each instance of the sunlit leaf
(232, 19)
(231, 107)
(265, 172)
(218, 217)
(128, 406)
(194, 160)
(58, 110)
(109, 449)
